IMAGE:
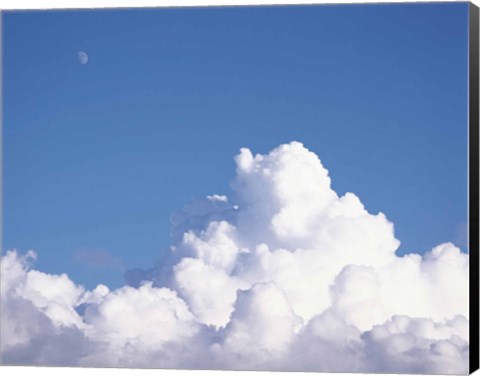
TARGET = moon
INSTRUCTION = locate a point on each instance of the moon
(82, 57)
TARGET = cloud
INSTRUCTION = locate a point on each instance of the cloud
(284, 274)
(262, 325)
(419, 345)
(96, 258)
(143, 317)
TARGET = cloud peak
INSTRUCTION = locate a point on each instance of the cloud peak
(283, 275)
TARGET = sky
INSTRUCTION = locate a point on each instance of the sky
(267, 188)
(97, 156)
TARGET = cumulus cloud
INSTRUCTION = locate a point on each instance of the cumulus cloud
(284, 274)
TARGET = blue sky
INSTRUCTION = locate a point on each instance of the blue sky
(97, 156)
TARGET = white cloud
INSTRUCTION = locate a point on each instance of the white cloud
(283, 275)
(144, 317)
(210, 292)
(52, 297)
(419, 345)
(262, 323)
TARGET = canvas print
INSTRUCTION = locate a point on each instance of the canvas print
(270, 188)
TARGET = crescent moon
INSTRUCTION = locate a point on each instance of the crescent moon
(82, 57)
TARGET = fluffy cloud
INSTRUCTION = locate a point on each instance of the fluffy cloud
(284, 274)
